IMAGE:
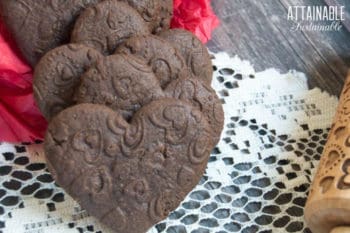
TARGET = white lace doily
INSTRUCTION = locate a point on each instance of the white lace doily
(256, 181)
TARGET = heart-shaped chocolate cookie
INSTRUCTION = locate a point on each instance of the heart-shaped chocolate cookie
(157, 13)
(166, 62)
(41, 25)
(57, 76)
(125, 83)
(201, 96)
(129, 175)
(107, 24)
(194, 52)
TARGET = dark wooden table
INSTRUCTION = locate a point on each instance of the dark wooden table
(259, 31)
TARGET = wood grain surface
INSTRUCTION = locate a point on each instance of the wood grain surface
(260, 32)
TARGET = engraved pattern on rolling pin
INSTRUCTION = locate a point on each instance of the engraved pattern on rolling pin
(329, 197)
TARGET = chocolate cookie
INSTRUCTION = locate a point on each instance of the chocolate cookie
(107, 24)
(166, 14)
(157, 13)
(203, 97)
(194, 52)
(39, 26)
(123, 82)
(166, 62)
(129, 175)
(58, 74)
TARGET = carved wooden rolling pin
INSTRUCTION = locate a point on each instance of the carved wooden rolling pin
(328, 207)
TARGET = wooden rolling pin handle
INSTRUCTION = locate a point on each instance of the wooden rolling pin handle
(328, 206)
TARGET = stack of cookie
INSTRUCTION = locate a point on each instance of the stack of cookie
(41, 25)
(132, 116)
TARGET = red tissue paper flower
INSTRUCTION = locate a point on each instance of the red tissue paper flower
(196, 16)
(20, 119)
